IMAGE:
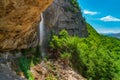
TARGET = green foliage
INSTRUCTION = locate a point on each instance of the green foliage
(24, 65)
(96, 57)
(63, 34)
(65, 55)
(65, 58)
(75, 4)
(73, 8)
(29, 59)
(59, 41)
(31, 77)
(57, 44)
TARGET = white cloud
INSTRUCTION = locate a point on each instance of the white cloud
(109, 18)
(90, 12)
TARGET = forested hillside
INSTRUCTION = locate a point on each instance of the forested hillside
(96, 57)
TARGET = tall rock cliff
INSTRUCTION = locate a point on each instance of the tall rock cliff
(65, 14)
(19, 20)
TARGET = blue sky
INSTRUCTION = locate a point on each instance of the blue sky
(103, 15)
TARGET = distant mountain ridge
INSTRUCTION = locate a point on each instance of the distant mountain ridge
(116, 35)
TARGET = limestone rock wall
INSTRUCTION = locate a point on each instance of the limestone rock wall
(63, 14)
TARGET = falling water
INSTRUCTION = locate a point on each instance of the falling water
(41, 27)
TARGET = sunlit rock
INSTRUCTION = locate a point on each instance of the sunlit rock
(19, 20)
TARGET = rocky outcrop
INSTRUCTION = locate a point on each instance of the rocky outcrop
(6, 63)
(7, 74)
(65, 14)
(54, 70)
(19, 20)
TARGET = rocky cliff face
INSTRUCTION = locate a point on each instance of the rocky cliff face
(65, 14)
(19, 20)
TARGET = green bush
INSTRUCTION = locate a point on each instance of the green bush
(57, 44)
(63, 34)
(29, 59)
(65, 55)
(25, 65)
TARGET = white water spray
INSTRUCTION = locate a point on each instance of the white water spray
(41, 27)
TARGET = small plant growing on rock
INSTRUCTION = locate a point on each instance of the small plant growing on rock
(75, 4)
(65, 57)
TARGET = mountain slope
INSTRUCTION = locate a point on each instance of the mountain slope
(95, 57)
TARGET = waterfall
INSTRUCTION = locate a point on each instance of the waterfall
(41, 29)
